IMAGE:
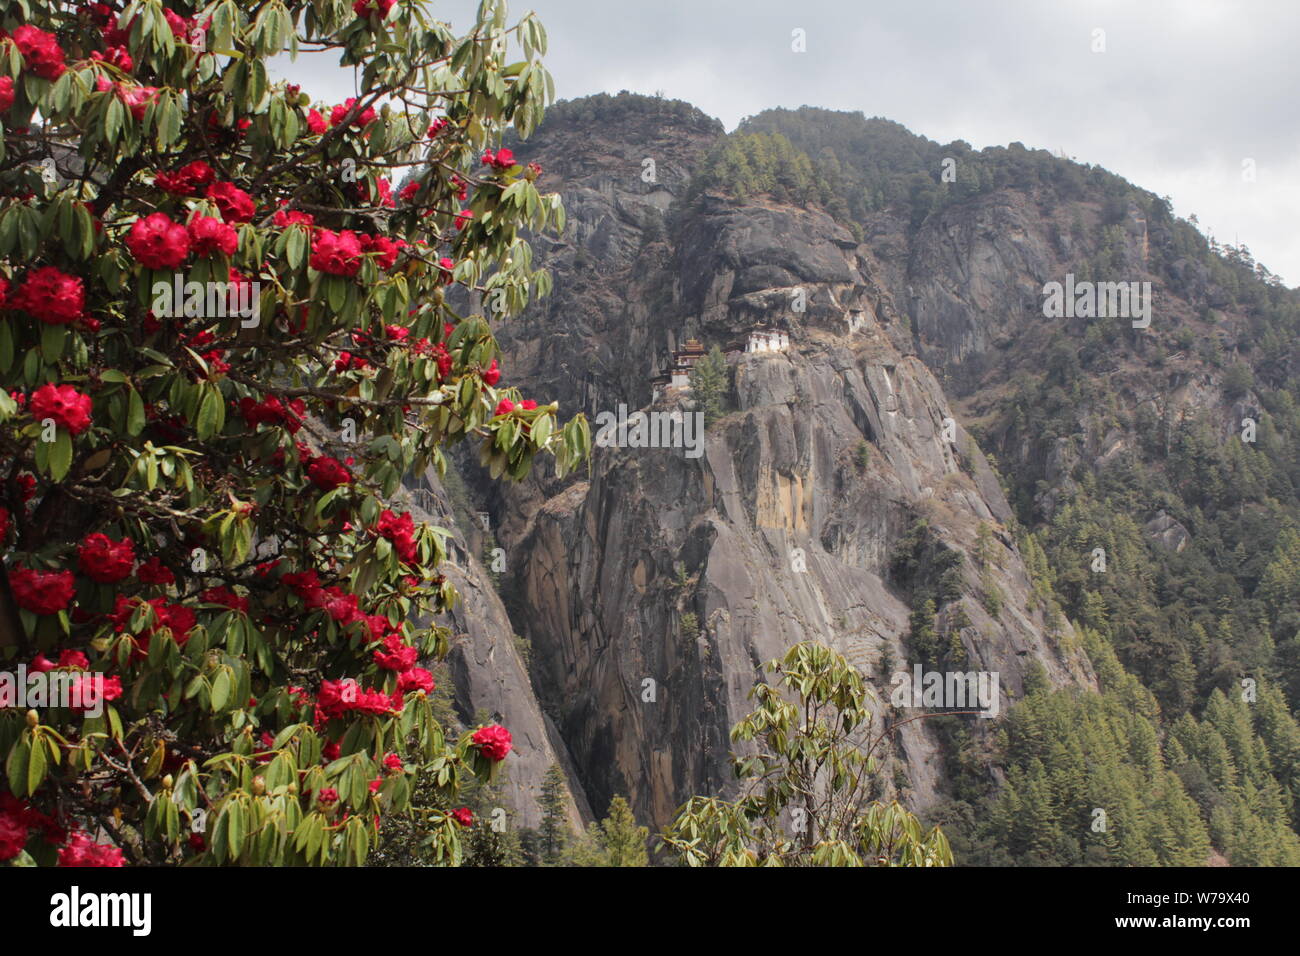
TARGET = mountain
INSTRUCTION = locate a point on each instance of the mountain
(932, 473)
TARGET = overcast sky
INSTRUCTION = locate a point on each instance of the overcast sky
(1184, 92)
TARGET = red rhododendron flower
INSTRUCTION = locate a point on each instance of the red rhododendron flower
(528, 404)
(395, 655)
(13, 837)
(493, 742)
(6, 93)
(417, 678)
(152, 572)
(104, 560)
(327, 796)
(289, 217)
(505, 407)
(336, 253)
(463, 217)
(41, 52)
(362, 119)
(42, 592)
(400, 530)
(68, 407)
(226, 598)
(26, 486)
(50, 295)
(90, 692)
(271, 411)
(492, 375)
(392, 761)
(117, 56)
(235, 204)
(501, 160)
(383, 248)
(136, 98)
(315, 122)
(209, 236)
(81, 851)
(328, 473)
(464, 816)
(157, 242)
(186, 181)
(363, 8)
(408, 191)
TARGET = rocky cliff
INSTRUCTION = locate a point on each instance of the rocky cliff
(653, 590)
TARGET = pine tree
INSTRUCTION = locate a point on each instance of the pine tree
(709, 386)
(554, 829)
(624, 841)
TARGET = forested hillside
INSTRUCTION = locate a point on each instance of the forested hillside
(1173, 450)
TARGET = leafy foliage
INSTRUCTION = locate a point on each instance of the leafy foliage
(807, 774)
(255, 715)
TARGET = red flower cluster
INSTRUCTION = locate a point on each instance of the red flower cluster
(364, 118)
(226, 598)
(81, 851)
(186, 181)
(153, 572)
(396, 655)
(6, 93)
(328, 473)
(464, 816)
(68, 407)
(115, 56)
(363, 8)
(16, 819)
(209, 236)
(400, 530)
(315, 122)
(492, 375)
(41, 52)
(383, 248)
(289, 217)
(235, 204)
(67, 658)
(104, 560)
(501, 160)
(136, 98)
(340, 697)
(493, 742)
(42, 592)
(83, 689)
(271, 411)
(177, 618)
(417, 678)
(157, 242)
(336, 253)
(50, 295)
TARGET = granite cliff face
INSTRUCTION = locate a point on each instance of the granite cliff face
(652, 590)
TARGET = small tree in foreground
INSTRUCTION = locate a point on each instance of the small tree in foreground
(224, 341)
(806, 797)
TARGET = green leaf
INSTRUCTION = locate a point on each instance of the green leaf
(135, 413)
(221, 687)
(60, 453)
(16, 766)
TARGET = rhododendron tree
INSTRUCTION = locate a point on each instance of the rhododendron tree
(200, 498)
